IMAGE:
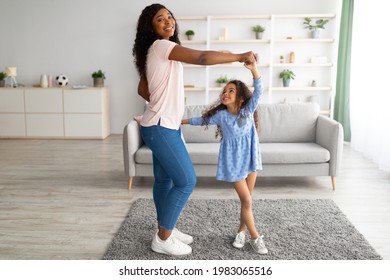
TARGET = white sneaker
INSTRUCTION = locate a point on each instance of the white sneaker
(171, 246)
(239, 241)
(185, 238)
(258, 245)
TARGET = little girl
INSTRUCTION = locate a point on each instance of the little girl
(239, 154)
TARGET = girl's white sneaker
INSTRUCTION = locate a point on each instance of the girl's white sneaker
(258, 245)
(239, 241)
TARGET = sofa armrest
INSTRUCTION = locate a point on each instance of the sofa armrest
(132, 141)
(330, 135)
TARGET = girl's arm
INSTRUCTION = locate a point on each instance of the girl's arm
(254, 70)
(187, 55)
(258, 86)
(215, 119)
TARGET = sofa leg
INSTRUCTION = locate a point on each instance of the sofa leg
(130, 183)
(333, 182)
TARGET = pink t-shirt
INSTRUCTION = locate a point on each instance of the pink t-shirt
(165, 81)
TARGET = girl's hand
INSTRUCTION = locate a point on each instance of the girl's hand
(247, 58)
(253, 68)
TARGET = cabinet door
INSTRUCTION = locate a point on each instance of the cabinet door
(83, 101)
(11, 101)
(12, 125)
(84, 125)
(12, 122)
(43, 100)
(45, 125)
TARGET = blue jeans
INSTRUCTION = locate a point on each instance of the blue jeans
(171, 163)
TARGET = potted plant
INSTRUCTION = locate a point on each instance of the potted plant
(286, 75)
(190, 34)
(2, 77)
(258, 29)
(314, 28)
(98, 78)
(222, 81)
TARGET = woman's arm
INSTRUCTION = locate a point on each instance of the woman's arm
(187, 55)
(185, 121)
(143, 88)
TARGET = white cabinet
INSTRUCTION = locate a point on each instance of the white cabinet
(44, 114)
(12, 118)
(54, 113)
(314, 58)
(86, 113)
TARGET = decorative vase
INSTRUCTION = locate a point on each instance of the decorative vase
(292, 57)
(286, 83)
(190, 37)
(98, 82)
(259, 35)
(50, 80)
(44, 81)
(314, 34)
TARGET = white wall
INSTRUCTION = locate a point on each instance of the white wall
(77, 37)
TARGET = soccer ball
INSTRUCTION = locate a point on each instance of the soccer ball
(62, 80)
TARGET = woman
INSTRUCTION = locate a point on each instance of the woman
(158, 56)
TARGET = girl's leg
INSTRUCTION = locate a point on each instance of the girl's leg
(250, 182)
(246, 215)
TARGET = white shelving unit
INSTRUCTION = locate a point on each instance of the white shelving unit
(283, 34)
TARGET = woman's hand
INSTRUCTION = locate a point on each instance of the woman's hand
(247, 58)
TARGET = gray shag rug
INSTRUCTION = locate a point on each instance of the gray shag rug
(294, 229)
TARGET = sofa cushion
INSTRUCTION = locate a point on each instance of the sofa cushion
(198, 134)
(288, 122)
(271, 153)
(287, 153)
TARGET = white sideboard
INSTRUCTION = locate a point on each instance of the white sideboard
(30, 112)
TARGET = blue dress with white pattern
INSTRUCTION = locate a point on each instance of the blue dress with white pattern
(239, 153)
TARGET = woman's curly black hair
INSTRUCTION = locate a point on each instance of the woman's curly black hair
(243, 93)
(145, 36)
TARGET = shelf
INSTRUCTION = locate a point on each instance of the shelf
(302, 88)
(289, 16)
(305, 40)
(225, 65)
(220, 89)
(251, 41)
(241, 17)
(192, 18)
(234, 65)
(194, 89)
(302, 65)
(194, 42)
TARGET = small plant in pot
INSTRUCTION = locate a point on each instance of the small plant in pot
(258, 29)
(286, 75)
(2, 77)
(190, 34)
(314, 27)
(98, 78)
(222, 81)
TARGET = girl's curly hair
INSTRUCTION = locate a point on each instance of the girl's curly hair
(243, 93)
(145, 36)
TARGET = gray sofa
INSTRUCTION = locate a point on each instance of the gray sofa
(295, 140)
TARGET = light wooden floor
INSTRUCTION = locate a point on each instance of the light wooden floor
(64, 199)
